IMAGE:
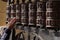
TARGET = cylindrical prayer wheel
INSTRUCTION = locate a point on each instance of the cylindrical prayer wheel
(24, 13)
(41, 8)
(32, 13)
(13, 11)
(18, 12)
(52, 13)
(8, 12)
(10, 9)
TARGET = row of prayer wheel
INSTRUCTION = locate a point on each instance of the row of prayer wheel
(35, 13)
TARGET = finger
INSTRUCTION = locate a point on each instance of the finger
(12, 20)
(11, 23)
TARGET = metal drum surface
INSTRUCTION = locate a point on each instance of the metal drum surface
(41, 8)
(18, 12)
(52, 14)
(32, 13)
(24, 14)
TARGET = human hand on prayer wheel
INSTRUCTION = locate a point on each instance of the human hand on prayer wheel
(7, 31)
(11, 23)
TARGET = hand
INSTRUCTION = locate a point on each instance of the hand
(11, 23)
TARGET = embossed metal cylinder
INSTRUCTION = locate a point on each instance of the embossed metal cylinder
(8, 15)
(13, 11)
(24, 13)
(8, 10)
(52, 13)
(32, 13)
(41, 11)
(18, 12)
